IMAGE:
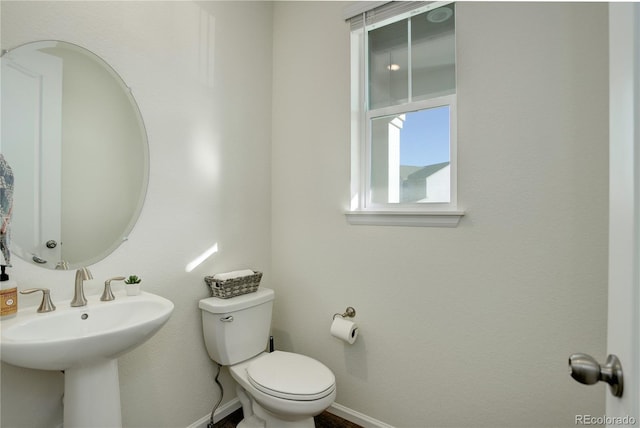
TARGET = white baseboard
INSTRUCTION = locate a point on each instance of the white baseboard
(221, 413)
(335, 409)
(356, 417)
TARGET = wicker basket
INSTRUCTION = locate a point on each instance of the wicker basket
(228, 288)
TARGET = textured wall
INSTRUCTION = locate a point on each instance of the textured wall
(459, 327)
(201, 73)
(463, 327)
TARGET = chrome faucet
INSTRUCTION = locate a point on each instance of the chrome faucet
(78, 296)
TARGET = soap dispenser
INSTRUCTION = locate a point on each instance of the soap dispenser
(8, 296)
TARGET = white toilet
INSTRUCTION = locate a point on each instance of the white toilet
(277, 389)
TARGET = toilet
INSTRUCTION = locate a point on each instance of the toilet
(276, 389)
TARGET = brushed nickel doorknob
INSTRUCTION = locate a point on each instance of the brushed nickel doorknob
(585, 369)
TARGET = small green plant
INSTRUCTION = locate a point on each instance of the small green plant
(133, 279)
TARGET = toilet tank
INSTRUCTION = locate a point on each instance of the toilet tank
(237, 329)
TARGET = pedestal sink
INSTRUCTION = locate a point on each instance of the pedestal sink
(85, 342)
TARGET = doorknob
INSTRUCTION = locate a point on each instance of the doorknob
(585, 369)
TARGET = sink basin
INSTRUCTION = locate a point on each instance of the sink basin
(70, 336)
(85, 342)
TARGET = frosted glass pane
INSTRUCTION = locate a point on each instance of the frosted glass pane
(433, 53)
(388, 65)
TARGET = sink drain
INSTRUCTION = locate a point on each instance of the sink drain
(84, 316)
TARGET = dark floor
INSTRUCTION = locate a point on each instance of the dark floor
(323, 420)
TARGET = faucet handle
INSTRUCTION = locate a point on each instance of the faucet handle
(46, 305)
(107, 295)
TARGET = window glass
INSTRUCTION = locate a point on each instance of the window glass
(388, 65)
(433, 53)
(410, 157)
(404, 113)
(412, 56)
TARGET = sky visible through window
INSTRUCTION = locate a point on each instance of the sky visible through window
(424, 137)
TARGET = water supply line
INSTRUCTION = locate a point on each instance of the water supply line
(211, 423)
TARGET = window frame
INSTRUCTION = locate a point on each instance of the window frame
(363, 211)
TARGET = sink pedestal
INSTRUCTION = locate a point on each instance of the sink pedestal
(92, 395)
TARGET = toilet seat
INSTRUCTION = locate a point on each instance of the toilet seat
(291, 376)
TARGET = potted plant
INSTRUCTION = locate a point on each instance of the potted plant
(132, 285)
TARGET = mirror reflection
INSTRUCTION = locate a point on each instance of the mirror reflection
(74, 138)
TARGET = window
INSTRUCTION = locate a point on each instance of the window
(404, 114)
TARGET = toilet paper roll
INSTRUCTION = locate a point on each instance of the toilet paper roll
(344, 330)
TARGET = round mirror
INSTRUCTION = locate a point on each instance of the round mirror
(74, 138)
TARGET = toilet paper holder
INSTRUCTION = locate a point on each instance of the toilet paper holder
(348, 313)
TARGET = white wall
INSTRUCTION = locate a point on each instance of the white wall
(201, 73)
(469, 326)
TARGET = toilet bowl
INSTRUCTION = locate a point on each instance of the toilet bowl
(277, 389)
(290, 388)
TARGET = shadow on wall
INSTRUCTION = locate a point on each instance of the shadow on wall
(355, 356)
(282, 340)
(44, 387)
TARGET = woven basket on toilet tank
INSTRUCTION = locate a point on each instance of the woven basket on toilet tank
(228, 288)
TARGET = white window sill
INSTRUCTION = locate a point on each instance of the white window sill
(405, 218)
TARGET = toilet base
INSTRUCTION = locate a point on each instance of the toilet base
(255, 416)
(251, 422)
(272, 421)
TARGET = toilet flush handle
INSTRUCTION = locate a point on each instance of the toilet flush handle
(227, 319)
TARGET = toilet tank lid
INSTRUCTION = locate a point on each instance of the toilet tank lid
(217, 305)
